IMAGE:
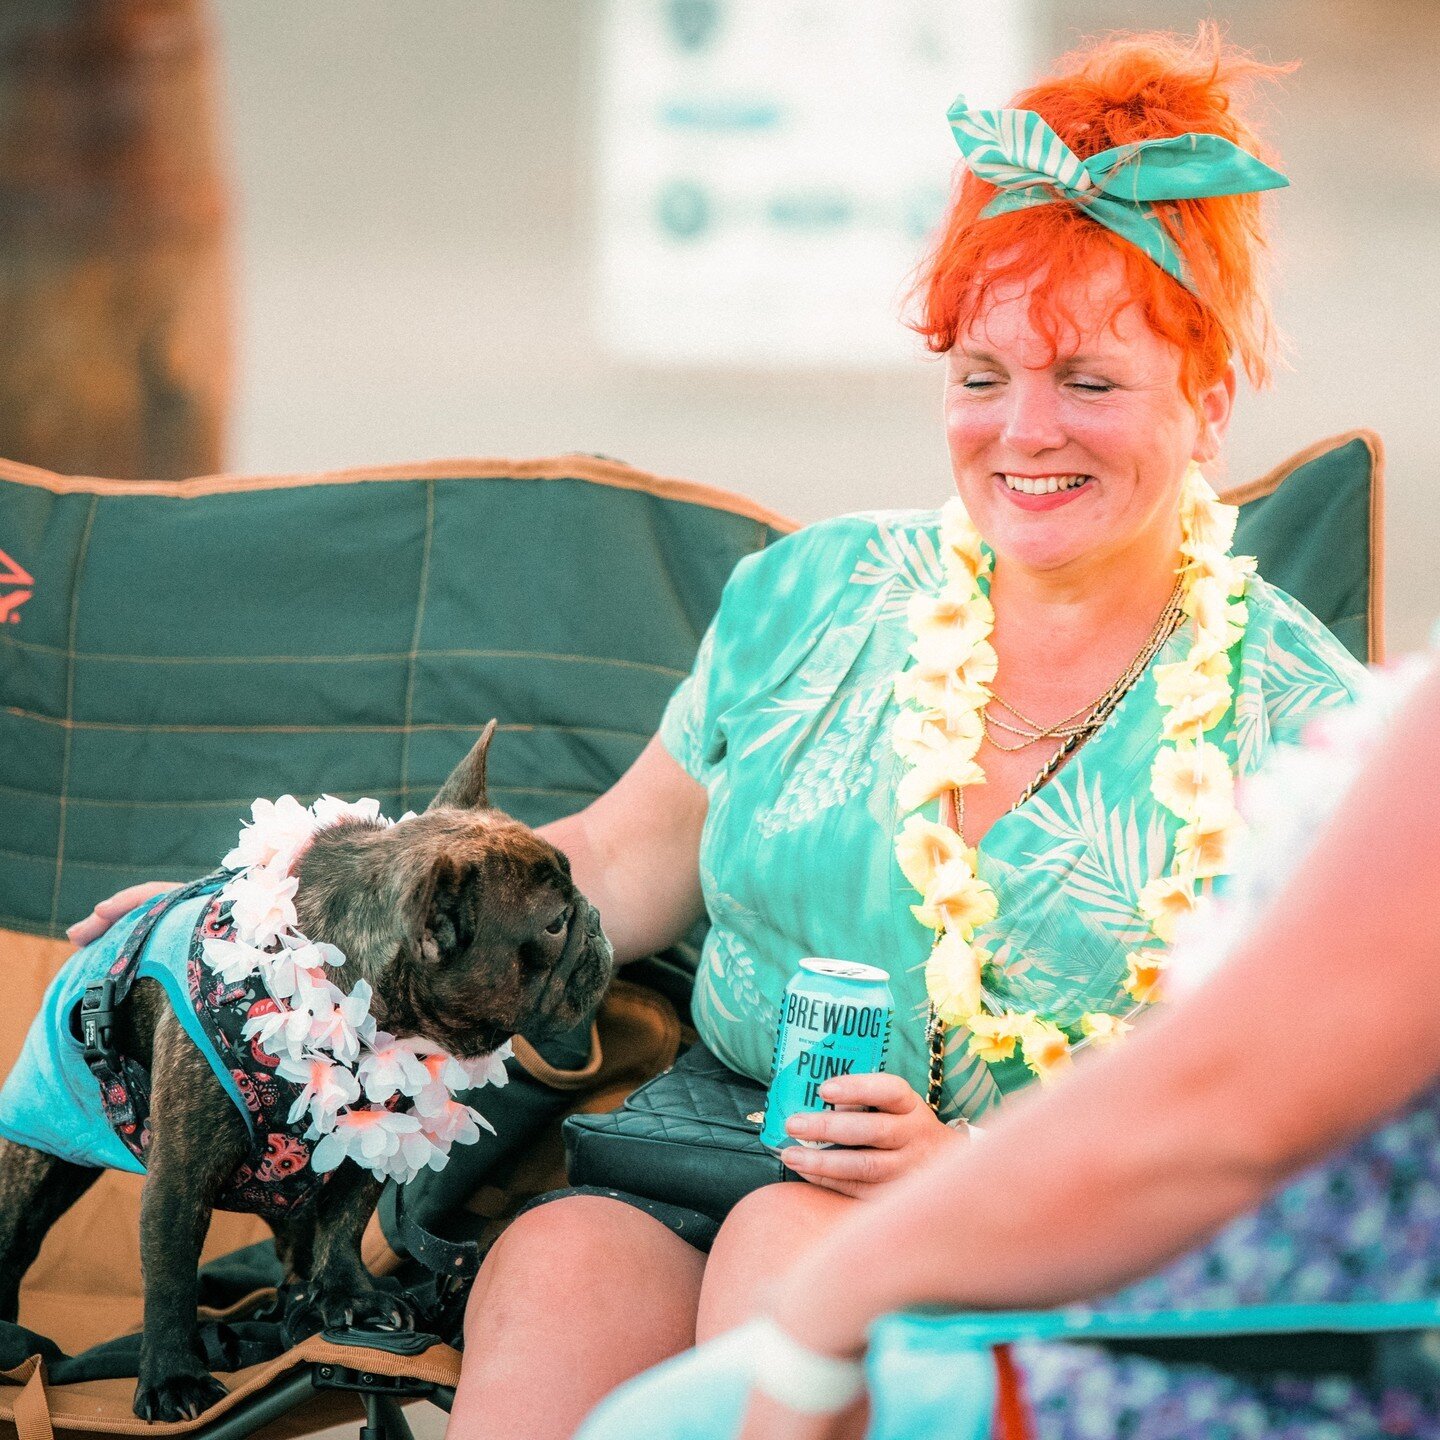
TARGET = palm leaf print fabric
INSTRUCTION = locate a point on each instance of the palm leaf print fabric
(786, 720)
(1011, 148)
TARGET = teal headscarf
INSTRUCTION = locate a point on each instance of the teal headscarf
(1017, 151)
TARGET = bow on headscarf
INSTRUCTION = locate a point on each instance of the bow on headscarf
(1017, 151)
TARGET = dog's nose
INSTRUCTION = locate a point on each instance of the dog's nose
(597, 935)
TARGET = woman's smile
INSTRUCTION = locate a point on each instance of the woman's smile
(1044, 492)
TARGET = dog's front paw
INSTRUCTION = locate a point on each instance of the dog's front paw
(375, 1310)
(379, 1309)
(178, 1397)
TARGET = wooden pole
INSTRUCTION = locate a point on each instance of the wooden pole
(114, 287)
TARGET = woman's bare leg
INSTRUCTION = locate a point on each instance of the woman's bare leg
(759, 1239)
(575, 1298)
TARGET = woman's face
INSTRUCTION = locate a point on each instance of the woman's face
(1101, 429)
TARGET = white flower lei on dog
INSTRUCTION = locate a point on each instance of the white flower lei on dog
(940, 732)
(327, 1040)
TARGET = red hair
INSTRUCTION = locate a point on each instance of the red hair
(1117, 92)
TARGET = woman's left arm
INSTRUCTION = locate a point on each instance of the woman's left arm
(1323, 1023)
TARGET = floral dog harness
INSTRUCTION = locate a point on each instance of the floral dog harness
(72, 1095)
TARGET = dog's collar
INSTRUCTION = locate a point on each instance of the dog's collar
(325, 1040)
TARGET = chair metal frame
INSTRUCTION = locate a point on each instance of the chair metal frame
(382, 1394)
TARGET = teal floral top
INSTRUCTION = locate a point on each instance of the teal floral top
(786, 720)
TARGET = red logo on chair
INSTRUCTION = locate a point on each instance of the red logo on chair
(12, 600)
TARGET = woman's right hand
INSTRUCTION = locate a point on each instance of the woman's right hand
(107, 912)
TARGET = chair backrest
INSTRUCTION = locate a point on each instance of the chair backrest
(189, 646)
(1316, 525)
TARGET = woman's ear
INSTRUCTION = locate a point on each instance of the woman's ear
(1213, 411)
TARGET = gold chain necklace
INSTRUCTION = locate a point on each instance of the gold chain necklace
(1064, 729)
(1101, 711)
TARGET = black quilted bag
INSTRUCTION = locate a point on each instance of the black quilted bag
(689, 1137)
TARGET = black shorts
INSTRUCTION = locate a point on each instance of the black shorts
(690, 1225)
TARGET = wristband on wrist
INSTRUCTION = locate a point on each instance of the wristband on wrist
(798, 1377)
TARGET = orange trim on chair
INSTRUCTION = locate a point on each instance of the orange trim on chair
(591, 468)
(1269, 483)
(96, 1407)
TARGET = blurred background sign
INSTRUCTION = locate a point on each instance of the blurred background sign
(756, 211)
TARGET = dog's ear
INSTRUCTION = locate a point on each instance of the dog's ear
(465, 789)
(444, 919)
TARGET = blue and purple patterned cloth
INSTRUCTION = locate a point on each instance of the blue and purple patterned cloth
(1362, 1226)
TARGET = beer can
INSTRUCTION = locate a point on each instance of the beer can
(834, 1020)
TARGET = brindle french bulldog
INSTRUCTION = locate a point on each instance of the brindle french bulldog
(469, 929)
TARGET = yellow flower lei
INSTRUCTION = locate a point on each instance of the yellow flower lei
(939, 733)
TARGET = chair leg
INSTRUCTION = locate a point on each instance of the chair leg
(384, 1419)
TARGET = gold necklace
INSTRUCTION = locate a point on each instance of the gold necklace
(1065, 728)
(991, 723)
(1103, 708)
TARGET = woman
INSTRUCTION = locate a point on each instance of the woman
(1289, 1050)
(813, 777)
(1089, 369)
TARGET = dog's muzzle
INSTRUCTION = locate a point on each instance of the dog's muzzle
(580, 975)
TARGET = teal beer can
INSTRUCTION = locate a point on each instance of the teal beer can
(834, 1020)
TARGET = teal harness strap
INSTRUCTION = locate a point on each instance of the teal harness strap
(124, 1082)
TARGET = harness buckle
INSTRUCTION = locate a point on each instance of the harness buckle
(97, 1024)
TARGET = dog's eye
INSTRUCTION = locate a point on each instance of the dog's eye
(558, 924)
